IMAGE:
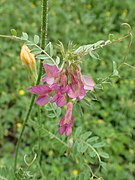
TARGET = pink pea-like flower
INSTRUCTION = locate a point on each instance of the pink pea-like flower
(59, 96)
(43, 92)
(76, 87)
(88, 83)
(66, 122)
(52, 74)
(79, 84)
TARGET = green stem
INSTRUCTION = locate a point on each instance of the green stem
(39, 132)
(44, 24)
(24, 125)
(43, 42)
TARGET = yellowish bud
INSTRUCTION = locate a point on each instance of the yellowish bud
(27, 58)
(29, 62)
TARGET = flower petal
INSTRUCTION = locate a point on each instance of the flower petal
(82, 93)
(54, 99)
(49, 80)
(42, 100)
(51, 71)
(74, 89)
(88, 83)
(62, 130)
(40, 89)
(62, 121)
(68, 131)
(63, 82)
(71, 93)
(68, 116)
(61, 101)
(55, 87)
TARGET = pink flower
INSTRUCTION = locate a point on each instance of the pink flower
(63, 84)
(88, 83)
(59, 97)
(66, 122)
(43, 92)
(79, 84)
(52, 74)
(76, 87)
(76, 90)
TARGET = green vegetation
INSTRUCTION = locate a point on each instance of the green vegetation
(110, 115)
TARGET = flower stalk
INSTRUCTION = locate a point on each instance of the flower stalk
(43, 42)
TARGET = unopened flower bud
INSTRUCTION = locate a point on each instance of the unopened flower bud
(27, 58)
(28, 61)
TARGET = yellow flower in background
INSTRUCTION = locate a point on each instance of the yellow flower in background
(132, 82)
(18, 125)
(21, 92)
(33, 5)
(75, 172)
(131, 151)
(50, 153)
(77, 21)
(125, 13)
(88, 6)
(34, 24)
(107, 13)
(94, 28)
(100, 121)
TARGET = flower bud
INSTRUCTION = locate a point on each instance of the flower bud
(27, 58)
(28, 61)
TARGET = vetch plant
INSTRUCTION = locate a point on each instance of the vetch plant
(62, 87)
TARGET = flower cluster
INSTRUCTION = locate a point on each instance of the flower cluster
(61, 86)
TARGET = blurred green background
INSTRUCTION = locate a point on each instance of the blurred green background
(112, 118)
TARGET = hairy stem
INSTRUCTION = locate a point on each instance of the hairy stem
(39, 132)
(43, 42)
(44, 23)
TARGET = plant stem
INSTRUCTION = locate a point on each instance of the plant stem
(44, 23)
(43, 42)
(24, 125)
(39, 132)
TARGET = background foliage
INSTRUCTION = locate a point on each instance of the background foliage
(111, 117)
